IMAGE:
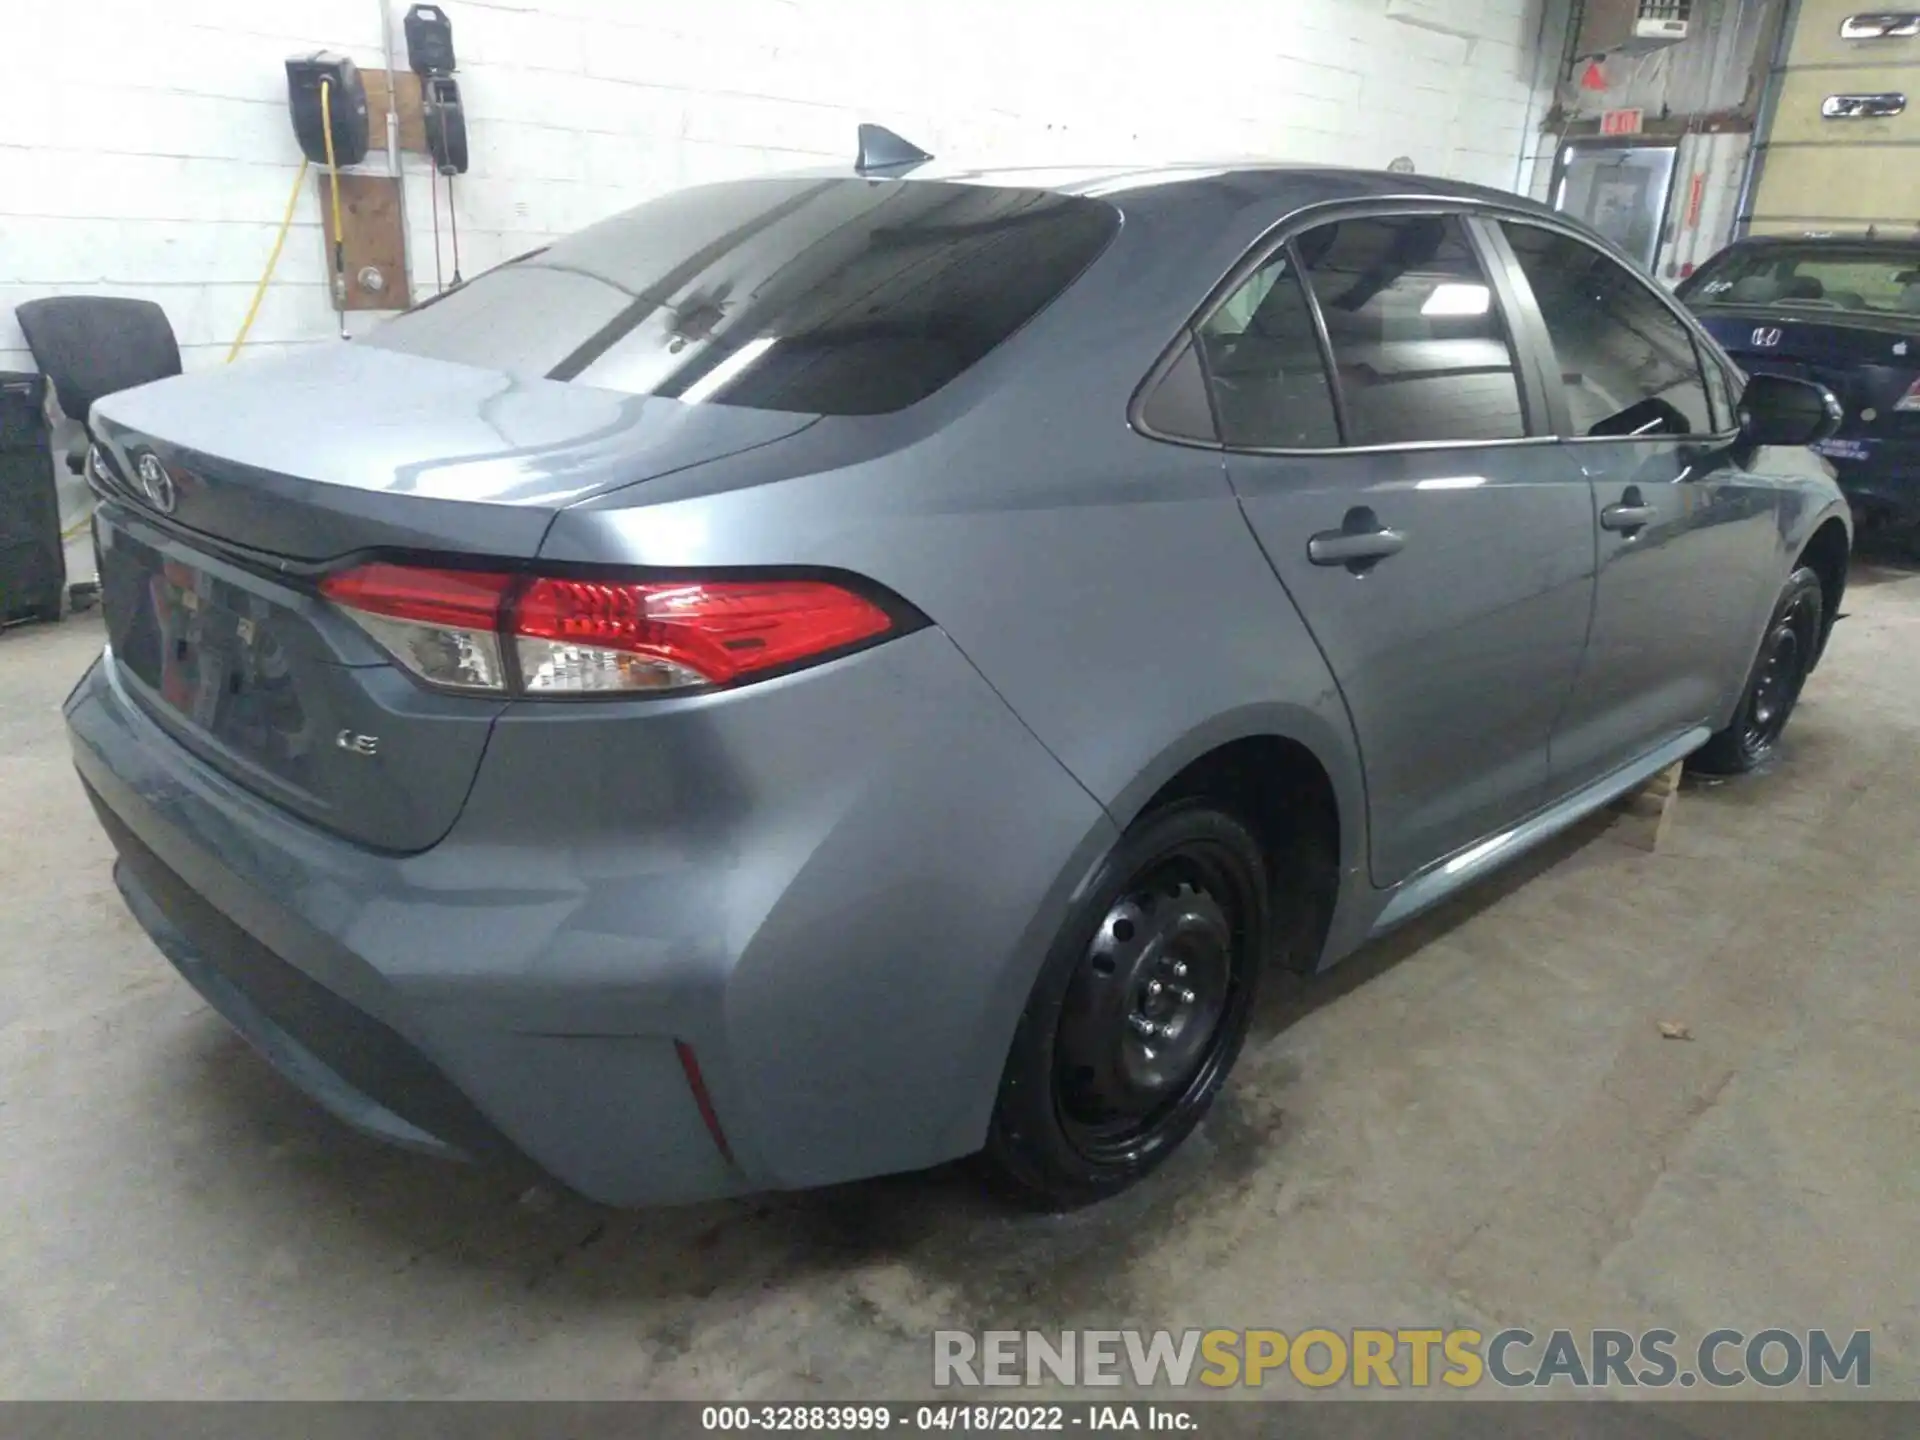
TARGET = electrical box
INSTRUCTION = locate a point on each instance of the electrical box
(1634, 27)
(373, 248)
(345, 107)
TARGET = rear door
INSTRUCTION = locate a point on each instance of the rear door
(1441, 556)
(1688, 538)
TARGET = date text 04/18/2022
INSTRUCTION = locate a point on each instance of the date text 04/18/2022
(977, 1419)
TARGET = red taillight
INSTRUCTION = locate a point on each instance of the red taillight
(584, 637)
(438, 597)
(580, 635)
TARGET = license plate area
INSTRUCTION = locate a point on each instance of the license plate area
(265, 683)
(206, 650)
(1845, 449)
(218, 664)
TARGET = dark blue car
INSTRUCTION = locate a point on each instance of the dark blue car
(1845, 311)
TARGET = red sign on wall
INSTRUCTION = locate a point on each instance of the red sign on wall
(1623, 122)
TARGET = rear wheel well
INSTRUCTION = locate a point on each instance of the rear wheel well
(1828, 554)
(1279, 789)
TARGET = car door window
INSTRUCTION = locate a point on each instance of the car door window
(1420, 345)
(1178, 408)
(1629, 364)
(1265, 367)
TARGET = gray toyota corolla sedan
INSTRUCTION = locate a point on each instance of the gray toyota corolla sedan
(818, 676)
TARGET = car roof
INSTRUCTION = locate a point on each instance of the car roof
(1262, 179)
(1236, 179)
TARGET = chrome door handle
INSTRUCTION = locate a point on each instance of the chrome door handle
(1864, 107)
(1625, 519)
(1343, 547)
(1881, 25)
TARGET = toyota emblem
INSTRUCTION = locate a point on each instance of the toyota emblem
(157, 485)
(1767, 338)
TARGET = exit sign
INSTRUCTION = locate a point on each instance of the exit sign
(1623, 122)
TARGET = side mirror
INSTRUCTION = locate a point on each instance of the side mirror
(1777, 410)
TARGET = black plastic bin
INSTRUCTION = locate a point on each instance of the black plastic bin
(33, 566)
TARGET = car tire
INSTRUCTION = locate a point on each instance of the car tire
(1138, 1014)
(1787, 654)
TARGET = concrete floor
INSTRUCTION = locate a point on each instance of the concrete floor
(1475, 1122)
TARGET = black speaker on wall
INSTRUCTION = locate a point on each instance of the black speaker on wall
(346, 107)
(33, 566)
(429, 41)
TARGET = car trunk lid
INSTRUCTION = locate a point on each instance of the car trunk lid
(225, 498)
(351, 447)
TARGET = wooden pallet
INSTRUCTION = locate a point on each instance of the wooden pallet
(1646, 814)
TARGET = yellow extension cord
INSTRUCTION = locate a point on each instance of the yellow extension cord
(339, 235)
(273, 259)
(286, 223)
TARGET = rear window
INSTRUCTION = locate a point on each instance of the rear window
(1822, 277)
(837, 296)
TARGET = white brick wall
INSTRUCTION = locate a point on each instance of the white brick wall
(154, 159)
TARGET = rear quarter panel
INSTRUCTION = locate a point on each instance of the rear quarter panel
(1105, 584)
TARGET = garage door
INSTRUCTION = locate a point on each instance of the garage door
(1844, 149)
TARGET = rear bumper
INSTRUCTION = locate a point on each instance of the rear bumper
(366, 1074)
(1882, 480)
(835, 889)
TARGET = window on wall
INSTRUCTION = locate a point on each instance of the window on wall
(1629, 365)
(1419, 341)
(1264, 363)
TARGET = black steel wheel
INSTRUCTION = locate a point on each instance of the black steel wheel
(1788, 650)
(1139, 1013)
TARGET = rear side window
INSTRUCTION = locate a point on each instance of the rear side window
(1630, 366)
(840, 297)
(1264, 363)
(1419, 341)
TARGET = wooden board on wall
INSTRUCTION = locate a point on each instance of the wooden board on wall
(404, 97)
(370, 221)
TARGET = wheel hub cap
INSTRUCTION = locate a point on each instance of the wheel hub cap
(1783, 658)
(1145, 1003)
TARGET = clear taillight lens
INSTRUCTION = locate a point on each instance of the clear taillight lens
(572, 637)
(443, 625)
(1910, 402)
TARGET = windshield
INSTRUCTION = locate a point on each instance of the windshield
(1823, 277)
(837, 296)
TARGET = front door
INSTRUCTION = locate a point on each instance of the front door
(1685, 532)
(1442, 560)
